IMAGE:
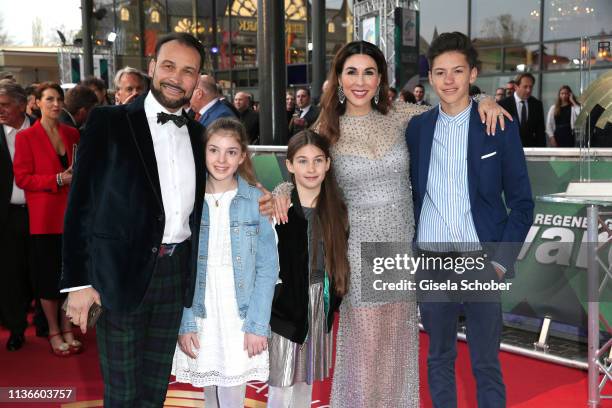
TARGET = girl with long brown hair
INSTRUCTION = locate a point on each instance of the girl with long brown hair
(377, 344)
(314, 272)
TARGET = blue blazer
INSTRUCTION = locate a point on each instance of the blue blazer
(497, 179)
(218, 110)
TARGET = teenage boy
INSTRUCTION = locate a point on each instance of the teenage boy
(463, 181)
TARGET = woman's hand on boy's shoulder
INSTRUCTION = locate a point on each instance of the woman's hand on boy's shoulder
(185, 341)
(274, 207)
(255, 344)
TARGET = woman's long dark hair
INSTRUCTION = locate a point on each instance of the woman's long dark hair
(330, 216)
(331, 108)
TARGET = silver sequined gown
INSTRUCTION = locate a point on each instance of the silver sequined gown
(377, 346)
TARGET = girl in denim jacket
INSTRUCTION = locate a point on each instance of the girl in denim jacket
(224, 334)
(314, 269)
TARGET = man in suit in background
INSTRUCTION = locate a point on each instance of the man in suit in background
(14, 226)
(248, 117)
(305, 113)
(206, 104)
(132, 225)
(419, 94)
(462, 182)
(225, 101)
(529, 112)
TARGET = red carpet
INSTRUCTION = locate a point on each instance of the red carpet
(530, 383)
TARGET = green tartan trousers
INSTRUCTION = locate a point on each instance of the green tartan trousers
(136, 349)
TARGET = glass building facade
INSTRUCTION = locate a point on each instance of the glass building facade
(538, 36)
(228, 30)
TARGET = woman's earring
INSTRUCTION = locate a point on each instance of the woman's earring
(341, 95)
(376, 97)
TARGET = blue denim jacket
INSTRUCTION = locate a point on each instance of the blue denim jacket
(255, 260)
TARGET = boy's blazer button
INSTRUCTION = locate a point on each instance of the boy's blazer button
(235, 230)
(238, 258)
(154, 249)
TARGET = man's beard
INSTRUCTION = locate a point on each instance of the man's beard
(168, 103)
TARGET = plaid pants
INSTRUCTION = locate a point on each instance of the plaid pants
(136, 349)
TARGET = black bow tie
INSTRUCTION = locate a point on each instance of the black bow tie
(179, 120)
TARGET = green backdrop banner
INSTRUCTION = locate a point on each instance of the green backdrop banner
(551, 270)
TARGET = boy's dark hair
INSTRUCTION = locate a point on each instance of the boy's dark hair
(419, 86)
(454, 41)
(520, 77)
(185, 39)
(474, 90)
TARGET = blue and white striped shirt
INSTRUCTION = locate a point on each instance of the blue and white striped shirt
(446, 215)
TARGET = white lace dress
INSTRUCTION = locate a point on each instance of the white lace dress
(221, 359)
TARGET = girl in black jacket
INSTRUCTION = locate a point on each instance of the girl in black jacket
(313, 275)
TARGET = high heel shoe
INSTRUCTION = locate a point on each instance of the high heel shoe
(63, 350)
(75, 345)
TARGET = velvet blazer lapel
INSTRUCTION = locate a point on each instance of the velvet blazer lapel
(141, 134)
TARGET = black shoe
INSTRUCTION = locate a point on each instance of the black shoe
(15, 341)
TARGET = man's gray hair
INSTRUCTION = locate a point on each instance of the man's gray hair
(129, 70)
(13, 90)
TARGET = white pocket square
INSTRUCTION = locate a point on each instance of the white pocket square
(486, 156)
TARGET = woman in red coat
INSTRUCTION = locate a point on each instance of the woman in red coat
(43, 169)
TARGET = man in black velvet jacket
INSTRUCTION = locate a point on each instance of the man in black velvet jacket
(131, 229)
